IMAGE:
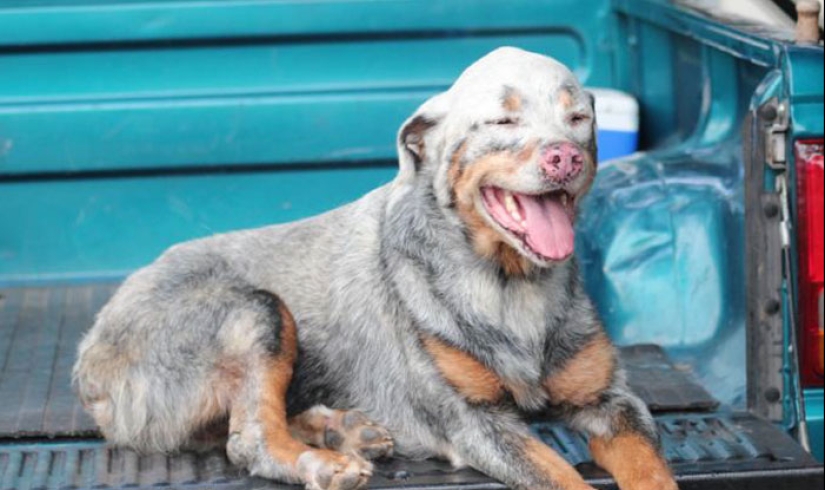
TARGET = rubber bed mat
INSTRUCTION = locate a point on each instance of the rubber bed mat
(39, 332)
(40, 329)
(662, 385)
(708, 452)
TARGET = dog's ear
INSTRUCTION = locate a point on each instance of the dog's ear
(594, 147)
(591, 97)
(415, 136)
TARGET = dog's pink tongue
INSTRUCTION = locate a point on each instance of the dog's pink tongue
(549, 229)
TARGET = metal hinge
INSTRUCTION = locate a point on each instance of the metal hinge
(776, 149)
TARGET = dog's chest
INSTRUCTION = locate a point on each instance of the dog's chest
(489, 343)
(495, 379)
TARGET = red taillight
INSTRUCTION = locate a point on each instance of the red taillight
(810, 240)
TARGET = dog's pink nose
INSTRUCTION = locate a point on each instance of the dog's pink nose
(562, 162)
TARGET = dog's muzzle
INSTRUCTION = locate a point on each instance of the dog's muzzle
(562, 162)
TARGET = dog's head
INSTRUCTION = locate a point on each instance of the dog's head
(510, 150)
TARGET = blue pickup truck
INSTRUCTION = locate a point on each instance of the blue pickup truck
(130, 125)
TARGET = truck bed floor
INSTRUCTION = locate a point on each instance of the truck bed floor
(47, 441)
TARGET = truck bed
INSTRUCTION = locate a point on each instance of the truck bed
(47, 441)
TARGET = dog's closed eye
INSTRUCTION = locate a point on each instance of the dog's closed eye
(577, 119)
(504, 121)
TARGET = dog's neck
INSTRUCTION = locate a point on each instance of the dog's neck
(480, 309)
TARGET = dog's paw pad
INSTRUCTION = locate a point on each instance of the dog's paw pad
(326, 470)
(352, 432)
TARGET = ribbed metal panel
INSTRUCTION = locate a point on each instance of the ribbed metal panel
(702, 449)
(93, 465)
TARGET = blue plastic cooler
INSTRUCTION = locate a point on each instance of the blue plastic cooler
(617, 116)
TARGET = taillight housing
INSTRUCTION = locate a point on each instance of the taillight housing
(810, 217)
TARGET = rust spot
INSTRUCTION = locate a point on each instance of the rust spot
(585, 376)
(466, 374)
(633, 462)
(553, 467)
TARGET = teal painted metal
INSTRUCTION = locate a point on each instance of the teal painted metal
(669, 224)
(743, 41)
(106, 227)
(228, 105)
(113, 85)
(805, 86)
(815, 411)
(26, 23)
(309, 95)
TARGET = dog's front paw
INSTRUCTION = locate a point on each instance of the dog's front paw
(352, 432)
(328, 470)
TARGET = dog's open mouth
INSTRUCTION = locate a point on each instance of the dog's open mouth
(542, 223)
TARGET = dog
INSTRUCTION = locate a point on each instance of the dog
(424, 319)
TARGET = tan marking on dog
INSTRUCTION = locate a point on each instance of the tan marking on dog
(565, 98)
(553, 467)
(487, 242)
(279, 441)
(231, 373)
(513, 263)
(585, 376)
(512, 102)
(455, 171)
(633, 462)
(467, 375)
(227, 379)
(308, 462)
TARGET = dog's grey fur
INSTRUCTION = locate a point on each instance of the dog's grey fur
(364, 283)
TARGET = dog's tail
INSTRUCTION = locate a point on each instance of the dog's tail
(132, 408)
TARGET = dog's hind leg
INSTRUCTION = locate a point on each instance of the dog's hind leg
(260, 439)
(346, 431)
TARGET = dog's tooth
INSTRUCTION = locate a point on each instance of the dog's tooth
(564, 198)
(509, 202)
(511, 206)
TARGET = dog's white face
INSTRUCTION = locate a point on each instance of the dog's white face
(513, 148)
